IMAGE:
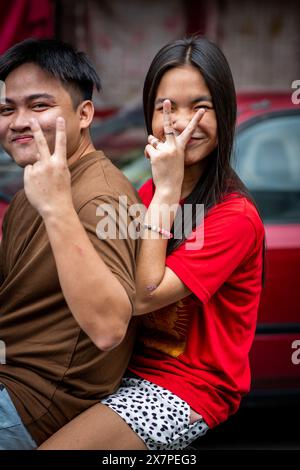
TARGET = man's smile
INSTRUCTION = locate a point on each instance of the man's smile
(22, 139)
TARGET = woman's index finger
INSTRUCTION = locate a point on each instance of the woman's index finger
(192, 125)
(168, 125)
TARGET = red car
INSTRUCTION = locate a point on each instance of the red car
(267, 157)
(11, 180)
(268, 161)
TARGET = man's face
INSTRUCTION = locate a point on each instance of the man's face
(32, 92)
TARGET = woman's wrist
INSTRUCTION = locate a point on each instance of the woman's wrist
(167, 195)
(161, 212)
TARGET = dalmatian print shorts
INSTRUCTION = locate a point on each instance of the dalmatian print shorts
(160, 418)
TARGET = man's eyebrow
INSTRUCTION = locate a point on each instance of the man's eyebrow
(196, 100)
(6, 101)
(35, 96)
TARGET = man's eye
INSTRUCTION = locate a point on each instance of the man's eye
(5, 111)
(40, 106)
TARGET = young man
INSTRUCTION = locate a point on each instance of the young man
(66, 295)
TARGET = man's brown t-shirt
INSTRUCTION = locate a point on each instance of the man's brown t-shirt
(53, 371)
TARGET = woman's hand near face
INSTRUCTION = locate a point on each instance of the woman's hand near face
(167, 158)
(47, 182)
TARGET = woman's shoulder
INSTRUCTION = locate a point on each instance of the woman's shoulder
(238, 207)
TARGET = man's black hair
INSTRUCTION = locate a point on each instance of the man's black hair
(71, 67)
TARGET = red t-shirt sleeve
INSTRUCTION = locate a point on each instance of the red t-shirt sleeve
(146, 192)
(230, 237)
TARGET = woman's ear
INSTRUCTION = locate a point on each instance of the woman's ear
(86, 113)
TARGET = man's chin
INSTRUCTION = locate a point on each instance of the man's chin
(23, 160)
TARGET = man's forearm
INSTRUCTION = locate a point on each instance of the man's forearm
(95, 297)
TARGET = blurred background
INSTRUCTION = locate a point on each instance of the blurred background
(261, 40)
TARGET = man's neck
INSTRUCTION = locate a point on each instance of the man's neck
(86, 146)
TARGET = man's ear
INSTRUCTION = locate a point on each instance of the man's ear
(86, 113)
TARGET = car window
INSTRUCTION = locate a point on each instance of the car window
(11, 177)
(267, 158)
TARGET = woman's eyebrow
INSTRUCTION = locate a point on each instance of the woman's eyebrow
(202, 98)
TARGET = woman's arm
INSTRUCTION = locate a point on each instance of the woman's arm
(157, 285)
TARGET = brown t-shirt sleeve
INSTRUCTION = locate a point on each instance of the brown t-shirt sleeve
(115, 247)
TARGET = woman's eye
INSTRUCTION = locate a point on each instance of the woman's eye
(202, 106)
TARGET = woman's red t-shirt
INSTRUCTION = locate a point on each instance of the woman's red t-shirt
(198, 348)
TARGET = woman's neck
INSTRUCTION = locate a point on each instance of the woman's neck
(191, 178)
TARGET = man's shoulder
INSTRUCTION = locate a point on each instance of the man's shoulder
(17, 203)
(96, 176)
(237, 211)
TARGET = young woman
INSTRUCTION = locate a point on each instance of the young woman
(197, 296)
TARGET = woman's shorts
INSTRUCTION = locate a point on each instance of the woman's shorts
(158, 417)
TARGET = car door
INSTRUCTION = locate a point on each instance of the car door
(11, 180)
(267, 158)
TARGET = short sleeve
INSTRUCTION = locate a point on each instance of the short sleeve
(146, 192)
(116, 250)
(229, 239)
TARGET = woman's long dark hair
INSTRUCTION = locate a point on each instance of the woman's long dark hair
(218, 178)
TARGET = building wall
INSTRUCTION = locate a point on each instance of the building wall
(261, 39)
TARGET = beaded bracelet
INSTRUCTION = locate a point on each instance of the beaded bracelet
(162, 231)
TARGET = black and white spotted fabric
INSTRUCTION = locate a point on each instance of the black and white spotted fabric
(161, 419)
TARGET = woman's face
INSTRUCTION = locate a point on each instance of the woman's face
(185, 87)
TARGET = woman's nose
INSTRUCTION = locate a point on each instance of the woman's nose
(181, 120)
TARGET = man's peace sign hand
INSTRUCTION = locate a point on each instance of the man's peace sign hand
(47, 182)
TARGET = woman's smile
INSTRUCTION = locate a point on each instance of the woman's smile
(187, 91)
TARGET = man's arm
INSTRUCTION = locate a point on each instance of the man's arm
(94, 295)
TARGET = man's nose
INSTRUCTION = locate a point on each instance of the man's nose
(20, 121)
